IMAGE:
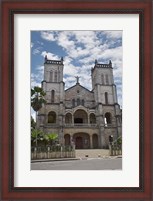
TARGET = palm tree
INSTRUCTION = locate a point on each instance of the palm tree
(37, 101)
(36, 135)
(51, 137)
(37, 98)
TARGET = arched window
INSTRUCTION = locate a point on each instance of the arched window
(106, 98)
(78, 101)
(68, 118)
(55, 76)
(83, 102)
(102, 79)
(51, 117)
(51, 76)
(52, 96)
(92, 118)
(107, 80)
(108, 118)
(80, 117)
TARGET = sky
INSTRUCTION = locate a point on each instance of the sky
(79, 50)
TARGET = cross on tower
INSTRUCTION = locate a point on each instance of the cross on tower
(77, 79)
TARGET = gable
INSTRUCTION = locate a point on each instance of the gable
(78, 91)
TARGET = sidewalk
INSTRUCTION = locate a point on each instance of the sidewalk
(54, 159)
(73, 159)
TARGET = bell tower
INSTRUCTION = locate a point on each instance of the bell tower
(53, 80)
(53, 86)
(108, 109)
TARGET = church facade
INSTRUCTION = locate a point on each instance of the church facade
(80, 116)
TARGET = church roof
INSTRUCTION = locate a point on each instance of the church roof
(80, 86)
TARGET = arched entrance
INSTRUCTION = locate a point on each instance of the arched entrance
(81, 140)
(79, 143)
(95, 141)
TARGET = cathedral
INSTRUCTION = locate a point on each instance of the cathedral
(80, 116)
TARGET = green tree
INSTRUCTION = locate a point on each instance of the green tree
(36, 135)
(37, 100)
(51, 138)
(119, 141)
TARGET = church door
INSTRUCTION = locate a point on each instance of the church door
(79, 143)
(95, 141)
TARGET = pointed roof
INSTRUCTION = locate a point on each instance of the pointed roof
(78, 85)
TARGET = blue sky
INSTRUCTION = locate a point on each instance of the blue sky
(79, 50)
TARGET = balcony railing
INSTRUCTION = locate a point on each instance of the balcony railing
(76, 125)
(80, 125)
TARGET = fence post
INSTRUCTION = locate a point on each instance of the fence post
(61, 151)
(35, 152)
(48, 150)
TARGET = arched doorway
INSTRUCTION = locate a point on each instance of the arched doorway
(79, 143)
(80, 117)
(81, 140)
(95, 141)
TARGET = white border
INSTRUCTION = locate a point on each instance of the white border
(129, 176)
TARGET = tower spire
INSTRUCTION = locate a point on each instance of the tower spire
(46, 58)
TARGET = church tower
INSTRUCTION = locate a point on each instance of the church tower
(107, 108)
(51, 114)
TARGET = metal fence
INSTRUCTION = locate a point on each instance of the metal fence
(115, 148)
(51, 152)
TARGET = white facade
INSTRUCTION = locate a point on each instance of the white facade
(77, 115)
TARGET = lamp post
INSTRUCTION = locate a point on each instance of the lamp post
(110, 144)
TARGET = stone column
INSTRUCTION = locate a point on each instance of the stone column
(98, 90)
(115, 93)
(73, 119)
(88, 119)
(101, 137)
(61, 92)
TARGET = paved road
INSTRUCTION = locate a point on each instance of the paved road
(84, 164)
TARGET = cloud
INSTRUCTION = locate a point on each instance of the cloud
(35, 81)
(48, 35)
(64, 40)
(37, 50)
(113, 34)
(112, 53)
(37, 77)
(81, 48)
(50, 55)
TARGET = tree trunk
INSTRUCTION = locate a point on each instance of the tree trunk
(36, 129)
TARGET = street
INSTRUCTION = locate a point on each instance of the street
(82, 164)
